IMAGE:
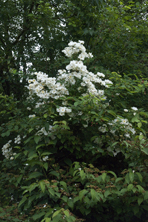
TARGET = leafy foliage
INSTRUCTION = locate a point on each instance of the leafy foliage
(76, 163)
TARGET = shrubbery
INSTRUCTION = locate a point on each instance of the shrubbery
(78, 152)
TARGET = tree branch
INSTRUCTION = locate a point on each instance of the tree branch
(26, 28)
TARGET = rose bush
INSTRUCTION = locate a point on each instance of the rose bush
(79, 152)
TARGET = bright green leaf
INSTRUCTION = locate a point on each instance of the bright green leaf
(82, 193)
(42, 185)
(34, 175)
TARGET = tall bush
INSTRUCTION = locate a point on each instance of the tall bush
(78, 153)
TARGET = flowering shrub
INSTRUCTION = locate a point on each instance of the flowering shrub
(83, 156)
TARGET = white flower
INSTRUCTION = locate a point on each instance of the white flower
(103, 128)
(83, 84)
(17, 140)
(126, 110)
(81, 42)
(134, 108)
(124, 121)
(100, 74)
(127, 135)
(85, 125)
(90, 55)
(61, 114)
(32, 116)
(101, 92)
(45, 158)
(61, 109)
(68, 110)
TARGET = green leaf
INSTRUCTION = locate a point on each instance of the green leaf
(145, 150)
(32, 187)
(32, 155)
(135, 119)
(46, 220)
(107, 193)
(135, 209)
(55, 173)
(140, 188)
(42, 186)
(111, 172)
(77, 198)
(140, 176)
(131, 176)
(22, 201)
(64, 185)
(104, 177)
(70, 203)
(34, 175)
(49, 212)
(56, 213)
(66, 212)
(139, 124)
(146, 195)
(45, 115)
(130, 187)
(118, 179)
(26, 141)
(123, 191)
(112, 145)
(94, 195)
(45, 165)
(36, 139)
(30, 130)
(140, 200)
(134, 190)
(76, 103)
(37, 216)
(82, 193)
(41, 145)
(127, 179)
(140, 137)
(19, 179)
(112, 112)
(51, 191)
(82, 174)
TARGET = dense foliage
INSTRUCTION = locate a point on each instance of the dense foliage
(73, 122)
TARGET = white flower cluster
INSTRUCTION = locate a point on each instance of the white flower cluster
(39, 104)
(50, 87)
(17, 140)
(76, 47)
(7, 151)
(63, 110)
(123, 123)
(75, 73)
(49, 133)
(46, 87)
